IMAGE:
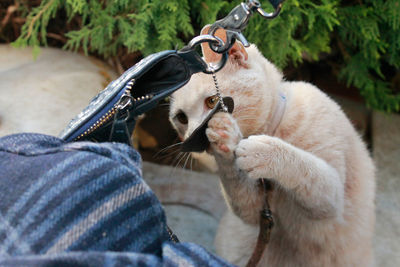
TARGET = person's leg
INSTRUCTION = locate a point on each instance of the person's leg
(57, 196)
(83, 204)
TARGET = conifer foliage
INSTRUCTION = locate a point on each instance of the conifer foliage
(361, 38)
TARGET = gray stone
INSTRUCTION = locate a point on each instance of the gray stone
(192, 225)
(43, 95)
(192, 200)
(386, 152)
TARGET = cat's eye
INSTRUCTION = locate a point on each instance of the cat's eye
(211, 101)
(181, 117)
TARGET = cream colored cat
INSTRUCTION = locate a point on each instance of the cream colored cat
(323, 176)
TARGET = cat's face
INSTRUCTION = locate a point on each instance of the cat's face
(248, 78)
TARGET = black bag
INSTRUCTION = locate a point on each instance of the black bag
(110, 116)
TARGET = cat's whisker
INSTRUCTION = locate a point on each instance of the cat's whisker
(166, 148)
(181, 156)
(178, 159)
(186, 161)
(169, 154)
(191, 162)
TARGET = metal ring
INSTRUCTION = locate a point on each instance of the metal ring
(221, 47)
(204, 38)
(211, 68)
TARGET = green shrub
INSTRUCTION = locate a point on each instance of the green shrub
(361, 38)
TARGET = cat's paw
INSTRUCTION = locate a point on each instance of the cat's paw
(260, 156)
(224, 134)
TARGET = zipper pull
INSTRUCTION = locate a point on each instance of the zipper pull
(119, 130)
(125, 101)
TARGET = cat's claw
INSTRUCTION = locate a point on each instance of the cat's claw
(224, 134)
(259, 156)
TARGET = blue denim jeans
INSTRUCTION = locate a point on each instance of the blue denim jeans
(84, 204)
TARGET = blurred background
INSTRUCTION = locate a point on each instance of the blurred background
(56, 55)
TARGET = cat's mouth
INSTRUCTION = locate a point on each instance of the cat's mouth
(198, 141)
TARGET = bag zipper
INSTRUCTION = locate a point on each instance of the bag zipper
(124, 102)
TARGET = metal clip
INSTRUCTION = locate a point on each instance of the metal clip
(212, 67)
(236, 21)
(233, 24)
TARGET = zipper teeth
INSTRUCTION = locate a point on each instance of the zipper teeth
(106, 117)
(99, 122)
(146, 97)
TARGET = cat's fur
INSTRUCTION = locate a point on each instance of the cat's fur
(323, 176)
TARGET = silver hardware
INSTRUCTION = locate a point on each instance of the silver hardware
(212, 67)
(236, 21)
(255, 5)
(126, 98)
(224, 108)
(125, 101)
(233, 24)
(205, 38)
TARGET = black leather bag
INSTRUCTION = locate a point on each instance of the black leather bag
(110, 116)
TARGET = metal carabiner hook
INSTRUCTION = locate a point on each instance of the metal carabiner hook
(211, 68)
(233, 24)
(236, 21)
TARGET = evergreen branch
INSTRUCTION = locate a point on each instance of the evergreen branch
(37, 16)
(365, 36)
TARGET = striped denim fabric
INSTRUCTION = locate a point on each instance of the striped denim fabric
(182, 254)
(83, 203)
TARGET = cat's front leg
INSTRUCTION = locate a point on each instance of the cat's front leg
(314, 184)
(241, 193)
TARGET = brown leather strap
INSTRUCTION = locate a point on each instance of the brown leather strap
(266, 224)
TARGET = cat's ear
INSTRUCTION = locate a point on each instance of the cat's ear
(237, 53)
